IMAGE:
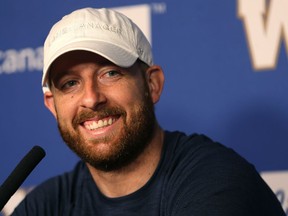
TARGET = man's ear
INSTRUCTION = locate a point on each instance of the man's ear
(49, 102)
(155, 80)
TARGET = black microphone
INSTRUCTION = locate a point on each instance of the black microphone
(20, 173)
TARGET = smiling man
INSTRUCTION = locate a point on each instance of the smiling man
(101, 85)
(105, 112)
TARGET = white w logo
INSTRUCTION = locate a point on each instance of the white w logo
(265, 30)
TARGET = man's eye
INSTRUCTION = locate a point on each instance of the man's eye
(69, 84)
(110, 76)
(112, 73)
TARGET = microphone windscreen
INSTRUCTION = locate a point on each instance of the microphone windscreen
(20, 173)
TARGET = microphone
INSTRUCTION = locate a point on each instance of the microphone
(20, 173)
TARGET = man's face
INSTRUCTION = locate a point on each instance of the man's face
(105, 113)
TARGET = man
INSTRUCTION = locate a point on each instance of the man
(101, 85)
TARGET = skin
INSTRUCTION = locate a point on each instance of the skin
(83, 86)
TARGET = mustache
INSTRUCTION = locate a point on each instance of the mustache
(88, 114)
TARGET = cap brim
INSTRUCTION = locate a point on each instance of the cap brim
(117, 55)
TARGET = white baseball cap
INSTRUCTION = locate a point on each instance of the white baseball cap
(102, 31)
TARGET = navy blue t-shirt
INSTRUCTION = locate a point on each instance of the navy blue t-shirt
(195, 177)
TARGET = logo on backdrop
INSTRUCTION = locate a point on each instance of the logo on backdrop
(14, 61)
(266, 26)
(15, 200)
(277, 181)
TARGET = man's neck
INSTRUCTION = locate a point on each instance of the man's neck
(134, 176)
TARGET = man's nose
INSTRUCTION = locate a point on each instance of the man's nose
(93, 96)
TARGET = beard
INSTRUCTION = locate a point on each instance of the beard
(128, 144)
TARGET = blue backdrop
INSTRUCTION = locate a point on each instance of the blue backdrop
(226, 76)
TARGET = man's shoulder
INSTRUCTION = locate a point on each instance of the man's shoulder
(215, 177)
(200, 160)
(199, 147)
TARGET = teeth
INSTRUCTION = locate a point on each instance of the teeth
(95, 125)
(100, 123)
(110, 121)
